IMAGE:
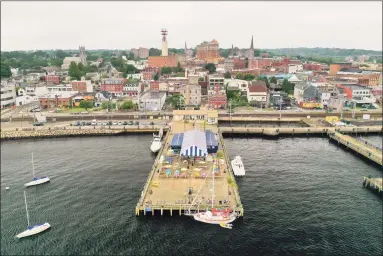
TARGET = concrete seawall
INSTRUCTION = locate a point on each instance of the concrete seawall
(29, 133)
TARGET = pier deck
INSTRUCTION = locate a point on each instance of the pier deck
(166, 192)
(373, 183)
(367, 150)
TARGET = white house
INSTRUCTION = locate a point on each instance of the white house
(23, 98)
(257, 93)
(294, 68)
(242, 85)
(138, 76)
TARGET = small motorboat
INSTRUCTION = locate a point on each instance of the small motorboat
(226, 225)
(156, 144)
(238, 167)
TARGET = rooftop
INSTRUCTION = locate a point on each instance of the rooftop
(153, 95)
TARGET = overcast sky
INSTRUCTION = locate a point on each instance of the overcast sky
(125, 25)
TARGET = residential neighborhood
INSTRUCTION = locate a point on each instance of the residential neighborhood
(196, 77)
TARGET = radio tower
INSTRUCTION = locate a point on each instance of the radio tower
(164, 33)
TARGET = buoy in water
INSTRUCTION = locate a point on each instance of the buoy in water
(7, 188)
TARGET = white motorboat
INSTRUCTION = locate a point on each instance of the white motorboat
(35, 229)
(215, 216)
(156, 144)
(36, 180)
(238, 167)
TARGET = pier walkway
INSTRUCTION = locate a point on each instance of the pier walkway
(371, 152)
(178, 184)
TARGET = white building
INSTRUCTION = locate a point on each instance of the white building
(242, 85)
(257, 93)
(194, 94)
(60, 88)
(152, 101)
(138, 76)
(8, 95)
(68, 60)
(36, 91)
(294, 68)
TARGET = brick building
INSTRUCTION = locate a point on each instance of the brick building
(259, 63)
(82, 86)
(52, 79)
(162, 61)
(57, 99)
(154, 86)
(336, 67)
(239, 63)
(112, 85)
(217, 101)
(148, 73)
(208, 51)
(313, 66)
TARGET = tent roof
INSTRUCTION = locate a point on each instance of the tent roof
(194, 143)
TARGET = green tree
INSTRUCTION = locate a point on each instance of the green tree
(154, 52)
(86, 104)
(273, 80)
(80, 67)
(249, 77)
(179, 68)
(74, 71)
(210, 67)
(239, 76)
(201, 79)
(128, 105)
(60, 54)
(156, 77)
(177, 101)
(287, 86)
(266, 80)
(227, 75)
(166, 70)
(5, 70)
(108, 105)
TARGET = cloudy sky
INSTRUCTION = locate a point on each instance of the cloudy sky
(125, 25)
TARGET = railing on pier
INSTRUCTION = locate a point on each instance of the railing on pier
(369, 144)
(154, 167)
(363, 150)
(230, 171)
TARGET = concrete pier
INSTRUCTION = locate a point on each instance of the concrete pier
(190, 189)
(299, 130)
(376, 184)
(365, 149)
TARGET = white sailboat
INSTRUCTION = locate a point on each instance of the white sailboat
(238, 167)
(35, 229)
(36, 180)
(220, 217)
(156, 142)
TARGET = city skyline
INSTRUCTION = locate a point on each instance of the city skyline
(126, 25)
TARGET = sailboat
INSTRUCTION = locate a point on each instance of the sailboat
(36, 181)
(156, 142)
(35, 229)
(215, 216)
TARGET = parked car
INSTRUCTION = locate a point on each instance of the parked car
(125, 123)
(130, 123)
(85, 112)
(88, 123)
(76, 123)
(137, 123)
(38, 124)
(82, 123)
(94, 123)
(114, 123)
(119, 123)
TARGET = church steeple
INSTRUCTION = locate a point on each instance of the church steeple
(185, 45)
(232, 51)
(252, 45)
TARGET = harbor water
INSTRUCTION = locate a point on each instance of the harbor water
(301, 196)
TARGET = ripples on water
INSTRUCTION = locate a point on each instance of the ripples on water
(301, 196)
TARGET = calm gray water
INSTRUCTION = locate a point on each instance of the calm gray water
(302, 196)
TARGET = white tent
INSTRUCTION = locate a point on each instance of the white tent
(293, 79)
(194, 144)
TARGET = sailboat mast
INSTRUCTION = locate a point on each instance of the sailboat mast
(26, 206)
(212, 196)
(33, 167)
